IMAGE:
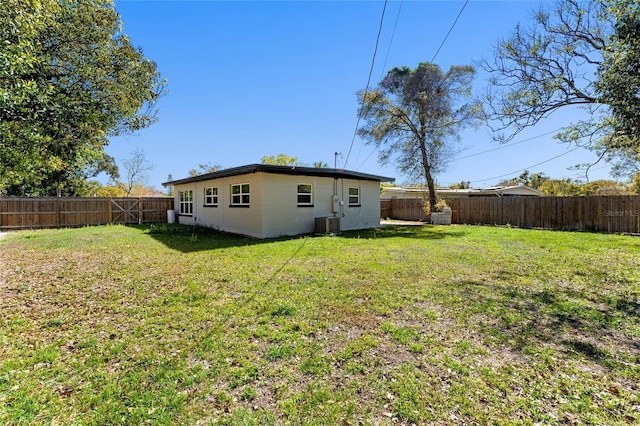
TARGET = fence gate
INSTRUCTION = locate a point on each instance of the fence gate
(125, 210)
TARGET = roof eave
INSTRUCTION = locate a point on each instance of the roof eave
(288, 170)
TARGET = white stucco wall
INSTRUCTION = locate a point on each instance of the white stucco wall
(240, 220)
(282, 215)
(367, 215)
(274, 210)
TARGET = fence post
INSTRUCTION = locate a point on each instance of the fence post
(140, 210)
(58, 212)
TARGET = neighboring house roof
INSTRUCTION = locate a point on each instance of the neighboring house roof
(284, 170)
(494, 190)
(469, 192)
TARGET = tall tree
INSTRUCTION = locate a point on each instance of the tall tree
(69, 79)
(415, 116)
(575, 54)
(136, 168)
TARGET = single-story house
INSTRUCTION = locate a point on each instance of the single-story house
(266, 201)
(390, 192)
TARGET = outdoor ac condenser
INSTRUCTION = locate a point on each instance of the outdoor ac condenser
(327, 225)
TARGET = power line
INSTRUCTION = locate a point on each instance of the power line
(383, 68)
(573, 175)
(393, 33)
(528, 167)
(481, 152)
(373, 60)
(385, 62)
(367, 159)
(505, 146)
(450, 29)
(374, 56)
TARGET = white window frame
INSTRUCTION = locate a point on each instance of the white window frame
(354, 199)
(304, 194)
(211, 196)
(186, 202)
(242, 197)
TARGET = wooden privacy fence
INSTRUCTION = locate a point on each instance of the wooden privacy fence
(616, 214)
(32, 213)
(403, 209)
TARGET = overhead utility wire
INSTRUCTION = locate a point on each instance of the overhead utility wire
(384, 67)
(373, 60)
(569, 176)
(475, 154)
(450, 29)
(393, 33)
(504, 146)
(432, 59)
(528, 167)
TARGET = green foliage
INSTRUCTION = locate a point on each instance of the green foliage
(440, 205)
(634, 186)
(461, 185)
(69, 79)
(603, 187)
(534, 180)
(280, 160)
(618, 76)
(203, 169)
(569, 187)
(415, 117)
(560, 187)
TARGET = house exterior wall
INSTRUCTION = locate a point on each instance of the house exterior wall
(283, 215)
(224, 217)
(367, 214)
(274, 211)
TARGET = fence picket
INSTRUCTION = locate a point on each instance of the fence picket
(613, 214)
(49, 212)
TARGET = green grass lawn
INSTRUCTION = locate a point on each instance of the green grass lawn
(399, 325)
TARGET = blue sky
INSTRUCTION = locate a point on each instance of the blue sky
(249, 79)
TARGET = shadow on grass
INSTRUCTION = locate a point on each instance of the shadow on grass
(584, 324)
(426, 232)
(190, 238)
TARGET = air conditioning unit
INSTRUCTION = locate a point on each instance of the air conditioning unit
(327, 225)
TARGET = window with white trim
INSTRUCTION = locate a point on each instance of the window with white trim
(354, 196)
(240, 194)
(186, 202)
(305, 194)
(211, 196)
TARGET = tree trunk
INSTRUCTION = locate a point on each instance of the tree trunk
(432, 187)
(427, 175)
